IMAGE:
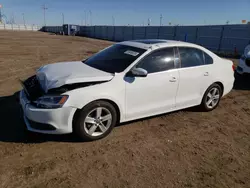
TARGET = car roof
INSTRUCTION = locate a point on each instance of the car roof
(150, 41)
(157, 43)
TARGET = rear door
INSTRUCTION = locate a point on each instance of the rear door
(195, 77)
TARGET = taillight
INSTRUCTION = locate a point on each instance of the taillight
(233, 67)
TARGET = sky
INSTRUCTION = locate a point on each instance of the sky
(124, 12)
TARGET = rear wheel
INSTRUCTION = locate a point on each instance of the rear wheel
(211, 98)
(95, 121)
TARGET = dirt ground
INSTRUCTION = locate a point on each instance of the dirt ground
(182, 149)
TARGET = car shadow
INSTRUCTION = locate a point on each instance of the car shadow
(13, 128)
(242, 82)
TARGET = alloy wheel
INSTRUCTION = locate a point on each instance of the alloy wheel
(213, 98)
(98, 121)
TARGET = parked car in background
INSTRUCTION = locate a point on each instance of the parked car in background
(127, 81)
(244, 62)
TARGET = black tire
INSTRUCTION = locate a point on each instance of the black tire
(78, 127)
(203, 104)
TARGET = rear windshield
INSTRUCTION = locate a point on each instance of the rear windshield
(115, 58)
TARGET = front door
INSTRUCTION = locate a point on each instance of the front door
(154, 94)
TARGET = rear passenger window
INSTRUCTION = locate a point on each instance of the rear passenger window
(208, 59)
(191, 57)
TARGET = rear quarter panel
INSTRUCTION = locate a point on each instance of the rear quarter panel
(223, 72)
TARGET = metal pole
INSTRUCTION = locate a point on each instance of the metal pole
(85, 18)
(44, 12)
(90, 14)
(1, 14)
(158, 35)
(63, 18)
(221, 37)
(44, 18)
(113, 20)
(13, 19)
(23, 20)
(161, 20)
(149, 21)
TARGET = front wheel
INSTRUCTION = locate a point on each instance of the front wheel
(95, 121)
(211, 98)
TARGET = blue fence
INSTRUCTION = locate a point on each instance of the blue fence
(218, 38)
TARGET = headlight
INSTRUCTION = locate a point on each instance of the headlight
(51, 101)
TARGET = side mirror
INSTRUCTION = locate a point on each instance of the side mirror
(138, 72)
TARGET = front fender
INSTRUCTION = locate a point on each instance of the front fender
(80, 97)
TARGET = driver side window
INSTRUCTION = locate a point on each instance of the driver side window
(158, 61)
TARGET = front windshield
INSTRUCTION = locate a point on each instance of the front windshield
(115, 58)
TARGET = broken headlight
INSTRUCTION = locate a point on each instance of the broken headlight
(51, 102)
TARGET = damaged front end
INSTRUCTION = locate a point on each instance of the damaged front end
(69, 87)
(34, 91)
(47, 88)
(32, 88)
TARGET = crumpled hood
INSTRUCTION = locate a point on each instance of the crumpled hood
(59, 74)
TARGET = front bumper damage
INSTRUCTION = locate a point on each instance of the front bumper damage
(48, 121)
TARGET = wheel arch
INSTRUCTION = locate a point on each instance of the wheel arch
(217, 82)
(118, 110)
(221, 85)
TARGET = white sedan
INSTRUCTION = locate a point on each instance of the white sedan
(244, 62)
(126, 81)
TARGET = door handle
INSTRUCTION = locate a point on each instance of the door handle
(173, 79)
(206, 74)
